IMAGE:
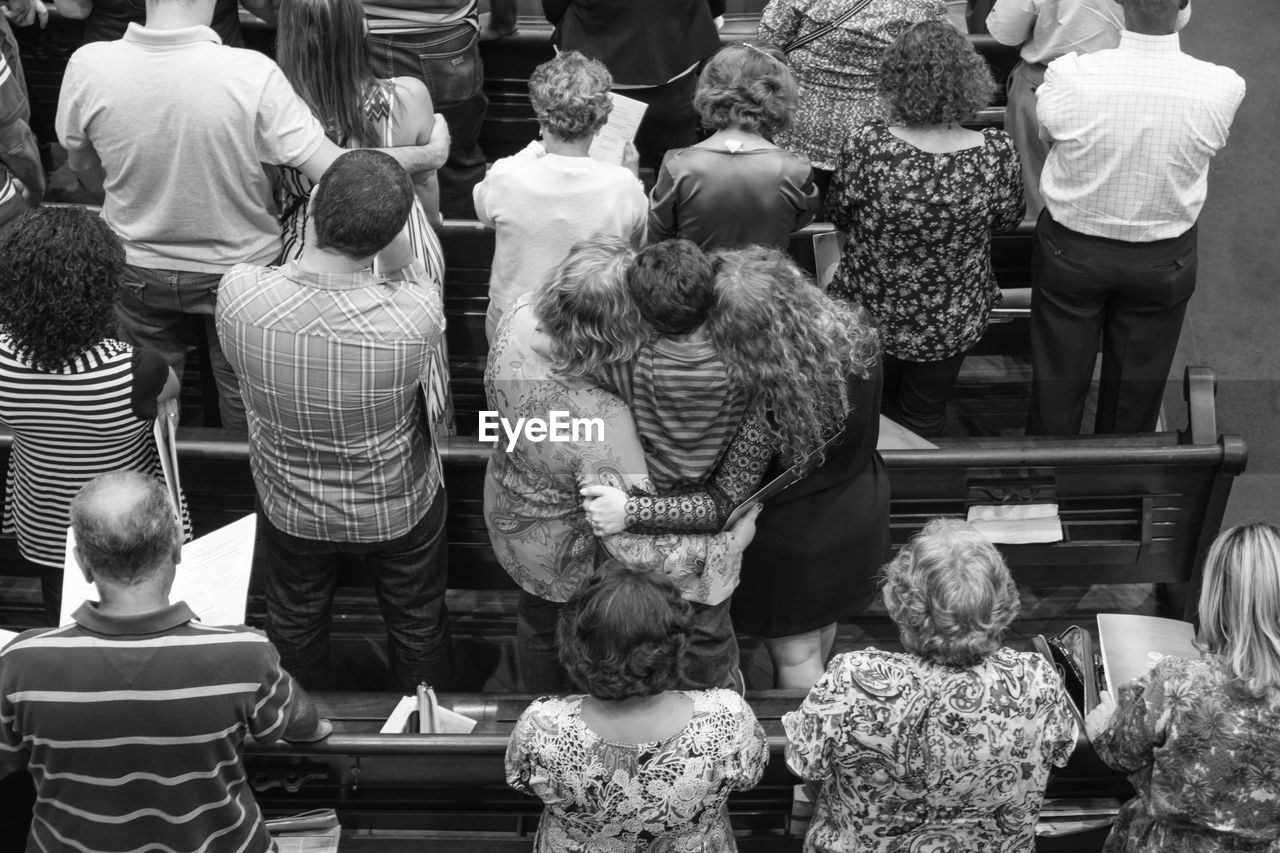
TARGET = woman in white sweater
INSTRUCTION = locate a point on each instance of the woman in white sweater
(552, 194)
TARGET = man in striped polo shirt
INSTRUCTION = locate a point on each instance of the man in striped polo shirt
(132, 720)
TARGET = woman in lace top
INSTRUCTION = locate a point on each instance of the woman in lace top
(1200, 739)
(919, 199)
(736, 188)
(633, 765)
(947, 745)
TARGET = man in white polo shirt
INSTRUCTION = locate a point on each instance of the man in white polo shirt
(174, 127)
(1133, 131)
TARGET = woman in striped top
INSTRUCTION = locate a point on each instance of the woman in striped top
(78, 402)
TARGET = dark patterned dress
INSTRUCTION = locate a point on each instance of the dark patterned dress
(912, 756)
(1203, 757)
(919, 224)
(660, 797)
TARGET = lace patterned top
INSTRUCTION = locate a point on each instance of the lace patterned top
(658, 797)
(1204, 759)
(919, 250)
(914, 756)
(532, 508)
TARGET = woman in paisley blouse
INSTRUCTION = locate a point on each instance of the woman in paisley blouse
(948, 744)
(836, 72)
(634, 765)
(1201, 738)
(549, 356)
(920, 198)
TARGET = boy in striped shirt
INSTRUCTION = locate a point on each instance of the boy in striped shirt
(132, 719)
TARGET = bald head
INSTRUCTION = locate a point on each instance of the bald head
(124, 528)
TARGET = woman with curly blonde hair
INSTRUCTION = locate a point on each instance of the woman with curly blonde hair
(1203, 736)
(552, 194)
(811, 364)
(920, 197)
(736, 188)
(947, 744)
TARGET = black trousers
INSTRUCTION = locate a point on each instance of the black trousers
(916, 392)
(1132, 296)
(669, 122)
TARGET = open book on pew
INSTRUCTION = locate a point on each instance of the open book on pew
(1131, 645)
(213, 577)
(423, 714)
(315, 831)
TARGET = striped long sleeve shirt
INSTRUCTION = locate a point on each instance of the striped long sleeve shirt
(133, 729)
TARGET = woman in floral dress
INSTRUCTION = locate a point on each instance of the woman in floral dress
(633, 765)
(1200, 739)
(947, 745)
(919, 198)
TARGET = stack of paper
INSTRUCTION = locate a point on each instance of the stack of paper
(1017, 524)
(1131, 645)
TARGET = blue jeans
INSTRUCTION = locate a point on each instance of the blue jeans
(448, 61)
(410, 577)
(166, 310)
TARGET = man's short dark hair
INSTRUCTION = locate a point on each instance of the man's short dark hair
(124, 526)
(673, 284)
(624, 634)
(361, 203)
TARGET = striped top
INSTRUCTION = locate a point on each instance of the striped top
(68, 427)
(13, 105)
(133, 729)
(331, 368)
(685, 408)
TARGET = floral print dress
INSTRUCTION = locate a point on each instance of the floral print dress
(912, 756)
(666, 796)
(919, 225)
(1203, 757)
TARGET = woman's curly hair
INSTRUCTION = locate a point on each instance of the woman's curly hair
(950, 593)
(624, 634)
(747, 86)
(790, 346)
(932, 74)
(59, 269)
(585, 308)
(570, 95)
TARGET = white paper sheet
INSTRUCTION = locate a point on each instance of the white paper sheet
(621, 128)
(213, 577)
(448, 722)
(7, 637)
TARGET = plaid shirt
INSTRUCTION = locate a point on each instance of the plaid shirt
(330, 367)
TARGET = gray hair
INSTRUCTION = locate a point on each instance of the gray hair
(124, 526)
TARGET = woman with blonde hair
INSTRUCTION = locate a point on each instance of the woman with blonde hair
(736, 187)
(321, 50)
(548, 359)
(1201, 738)
(946, 745)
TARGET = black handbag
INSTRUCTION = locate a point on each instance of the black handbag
(1073, 655)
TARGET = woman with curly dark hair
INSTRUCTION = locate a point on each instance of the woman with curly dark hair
(920, 197)
(946, 745)
(736, 188)
(79, 402)
(634, 764)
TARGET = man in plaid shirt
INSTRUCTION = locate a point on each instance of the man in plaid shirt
(331, 358)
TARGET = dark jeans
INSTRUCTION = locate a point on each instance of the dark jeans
(448, 61)
(410, 576)
(711, 658)
(1131, 295)
(915, 392)
(669, 122)
(166, 310)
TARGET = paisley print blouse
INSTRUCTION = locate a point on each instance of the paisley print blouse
(919, 224)
(661, 797)
(912, 756)
(1203, 757)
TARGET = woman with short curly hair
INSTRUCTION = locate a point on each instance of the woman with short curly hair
(552, 194)
(736, 187)
(633, 765)
(78, 402)
(919, 198)
(949, 743)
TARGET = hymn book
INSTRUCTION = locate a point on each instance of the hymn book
(1131, 645)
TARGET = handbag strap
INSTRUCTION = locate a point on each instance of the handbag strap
(801, 41)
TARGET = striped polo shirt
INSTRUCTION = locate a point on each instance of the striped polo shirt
(133, 729)
(686, 409)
